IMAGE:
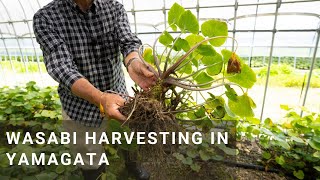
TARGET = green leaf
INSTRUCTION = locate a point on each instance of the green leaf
(227, 150)
(178, 156)
(246, 78)
(282, 143)
(316, 139)
(110, 149)
(213, 103)
(8, 111)
(285, 107)
(60, 169)
(4, 177)
(217, 157)
(201, 112)
(148, 56)
(316, 154)
(231, 93)
(195, 167)
(31, 83)
(219, 112)
(230, 114)
(317, 168)
(188, 22)
(48, 126)
(115, 126)
(266, 155)
(226, 54)
(253, 120)
(202, 78)
(194, 39)
(195, 62)
(174, 15)
(315, 145)
(166, 38)
(214, 70)
(213, 28)
(280, 160)
(252, 103)
(31, 86)
(206, 50)
(182, 44)
(242, 106)
(297, 139)
(204, 155)
(187, 161)
(27, 178)
(192, 153)
(187, 69)
(210, 60)
(49, 114)
(46, 176)
(298, 174)
(4, 161)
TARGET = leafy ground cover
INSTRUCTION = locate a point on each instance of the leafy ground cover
(19, 67)
(31, 109)
(292, 147)
(286, 76)
(302, 63)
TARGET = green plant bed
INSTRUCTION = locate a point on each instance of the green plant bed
(285, 76)
(18, 58)
(302, 63)
(20, 67)
(292, 145)
(293, 140)
(31, 109)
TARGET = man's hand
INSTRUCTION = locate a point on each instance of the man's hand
(140, 73)
(111, 104)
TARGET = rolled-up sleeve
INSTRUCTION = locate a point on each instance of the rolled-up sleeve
(57, 58)
(129, 42)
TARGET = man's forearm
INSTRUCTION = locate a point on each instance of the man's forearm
(85, 90)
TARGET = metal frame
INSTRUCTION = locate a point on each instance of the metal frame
(13, 35)
(30, 33)
(270, 58)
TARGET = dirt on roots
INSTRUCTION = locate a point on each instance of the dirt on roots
(147, 115)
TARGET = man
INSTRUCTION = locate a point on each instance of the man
(81, 42)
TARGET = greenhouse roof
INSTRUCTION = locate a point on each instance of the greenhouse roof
(252, 20)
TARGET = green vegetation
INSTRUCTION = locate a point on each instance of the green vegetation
(18, 58)
(19, 67)
(31, 109)
(292, 145)
(256, 61)
(285, 76)
(302, 63)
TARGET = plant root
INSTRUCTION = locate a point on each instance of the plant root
(147, 115)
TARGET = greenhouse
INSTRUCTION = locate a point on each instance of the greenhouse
(247, 68)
